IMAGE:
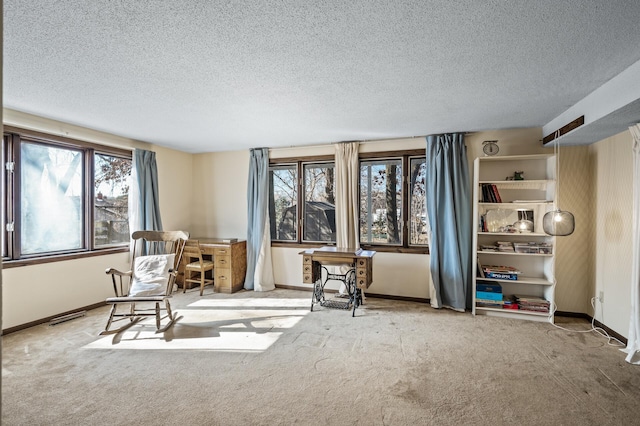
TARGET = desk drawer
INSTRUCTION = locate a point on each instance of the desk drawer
(222, 282)
(222, 251)
(222, 261)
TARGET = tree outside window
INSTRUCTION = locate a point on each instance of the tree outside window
(381, 201)
(283, 196)
(111, 199)
(319, 222)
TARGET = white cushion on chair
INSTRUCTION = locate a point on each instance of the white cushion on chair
(151, 274)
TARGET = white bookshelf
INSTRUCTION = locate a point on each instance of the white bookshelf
(536, 194)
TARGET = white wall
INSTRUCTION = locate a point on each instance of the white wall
(613, 176)
(31, 293)
(219, 188)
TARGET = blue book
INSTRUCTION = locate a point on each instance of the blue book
(488, 295)
(492, 288)
(501, 276)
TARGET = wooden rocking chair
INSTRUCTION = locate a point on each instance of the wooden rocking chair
(154, 265)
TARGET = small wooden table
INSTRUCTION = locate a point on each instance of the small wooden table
(230, 263)
(357, 278)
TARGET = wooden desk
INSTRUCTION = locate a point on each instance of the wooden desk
(358, 278)
(230, 263)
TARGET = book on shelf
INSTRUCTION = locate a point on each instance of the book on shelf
(533, 303)
(501, 276)
(491, 287)
(489, 305)
(480, 271)
(496, 194)
(490, 193)
(485, 194)
(505, 246)
(487, 295)
(490, 301)
(501, 272)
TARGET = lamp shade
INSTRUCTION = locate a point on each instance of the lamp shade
(558, 223)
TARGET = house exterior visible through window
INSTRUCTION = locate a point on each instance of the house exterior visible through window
(319, 224)
(53, 187)
(111, 199)
(283, 199)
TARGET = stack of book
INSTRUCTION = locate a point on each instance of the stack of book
(489, 295)
(510, 302)
(533, 303)
(505, 246)
(500, 272)
(490, 193)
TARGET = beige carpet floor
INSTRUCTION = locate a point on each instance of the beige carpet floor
(265, 359)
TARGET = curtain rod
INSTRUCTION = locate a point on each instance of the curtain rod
(361, 141)
(339, 142)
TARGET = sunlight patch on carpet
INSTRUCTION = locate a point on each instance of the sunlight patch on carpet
(238, 325)
(253, 303)
(223, 341)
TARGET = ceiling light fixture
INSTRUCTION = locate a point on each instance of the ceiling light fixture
(558, 222)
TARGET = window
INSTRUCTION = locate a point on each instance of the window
(381, 201)
(53, 186)
(319, 222)
(392, 213)
(51, 198)
(283, 199)
(111, 200)
(6, 193)
(317, 210)
(418, 225)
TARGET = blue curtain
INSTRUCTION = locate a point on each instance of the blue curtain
(146, 179)
(449, 210)
(257, 205)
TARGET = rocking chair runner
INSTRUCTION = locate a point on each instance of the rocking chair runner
(154, 265)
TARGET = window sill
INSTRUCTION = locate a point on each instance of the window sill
(8, 264)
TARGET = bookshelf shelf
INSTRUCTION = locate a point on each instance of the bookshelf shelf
(520, 280)
(513, 313)
(518, 184)
(498, 205)
(514, 234)
(503, 253)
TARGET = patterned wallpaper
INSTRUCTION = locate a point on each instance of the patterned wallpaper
(574, 253)
(613, 184)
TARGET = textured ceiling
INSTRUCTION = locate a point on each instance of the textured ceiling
(202, 76)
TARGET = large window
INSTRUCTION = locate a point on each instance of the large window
(61, 197)
(392, 201)
(51, 198)
(317, 208)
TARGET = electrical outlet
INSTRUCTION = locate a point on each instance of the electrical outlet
(601, 296)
